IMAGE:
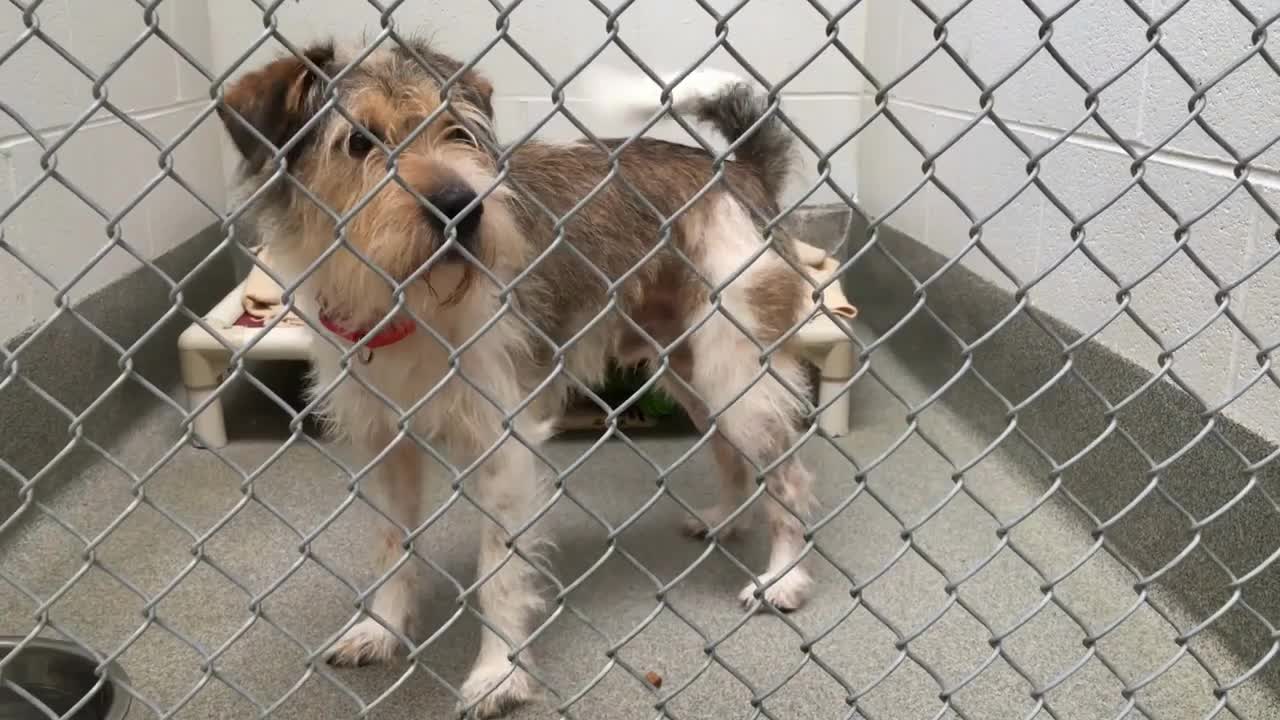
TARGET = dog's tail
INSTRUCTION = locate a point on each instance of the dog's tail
(733, 106)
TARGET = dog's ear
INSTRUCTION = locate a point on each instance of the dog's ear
(482, 89)
(275, 101)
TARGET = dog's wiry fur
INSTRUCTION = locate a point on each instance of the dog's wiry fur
(448, 284)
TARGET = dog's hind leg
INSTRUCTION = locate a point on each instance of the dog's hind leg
(757, 417)
(509, 495)
(735, 473)
(394, 490)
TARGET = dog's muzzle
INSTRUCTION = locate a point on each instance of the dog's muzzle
(451, 201)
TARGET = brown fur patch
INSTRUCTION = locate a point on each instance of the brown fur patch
(777, 298)
(619, 226)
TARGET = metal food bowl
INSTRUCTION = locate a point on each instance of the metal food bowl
(60, 675)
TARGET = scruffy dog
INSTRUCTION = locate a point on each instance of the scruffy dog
(477, 312)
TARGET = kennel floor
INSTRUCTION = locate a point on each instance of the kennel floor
(202, 646)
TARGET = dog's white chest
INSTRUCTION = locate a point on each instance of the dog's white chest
(407, 380)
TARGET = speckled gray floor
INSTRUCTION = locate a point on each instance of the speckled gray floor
(199, 652)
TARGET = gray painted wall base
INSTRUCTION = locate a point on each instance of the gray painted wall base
(76, 368)
(1018, 360)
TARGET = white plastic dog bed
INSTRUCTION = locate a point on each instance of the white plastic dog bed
(237, 322)
(205, 357)
(826, 341)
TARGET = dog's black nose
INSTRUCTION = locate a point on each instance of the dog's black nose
(451, 201)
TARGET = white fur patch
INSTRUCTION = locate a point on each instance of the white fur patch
(731, 262)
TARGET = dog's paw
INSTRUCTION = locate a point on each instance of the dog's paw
(365, 643)
(698, 527)
(789, 593)
(494, 689)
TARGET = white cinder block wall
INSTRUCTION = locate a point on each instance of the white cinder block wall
(106, 160)
(1146, 105)
(775, 35)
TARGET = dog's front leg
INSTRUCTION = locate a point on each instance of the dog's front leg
(394, 490)
(509, 494)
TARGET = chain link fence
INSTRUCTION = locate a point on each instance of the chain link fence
(962, 594)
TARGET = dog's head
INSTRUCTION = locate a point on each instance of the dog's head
(382, 155)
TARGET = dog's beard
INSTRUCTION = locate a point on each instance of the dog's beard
(448, 281)
(360, 290)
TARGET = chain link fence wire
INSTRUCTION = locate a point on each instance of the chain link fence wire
(892, 643)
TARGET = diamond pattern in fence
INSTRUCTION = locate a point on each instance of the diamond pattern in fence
(948, 584)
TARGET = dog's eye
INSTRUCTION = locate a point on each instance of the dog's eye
(457, 133)
(358, 144)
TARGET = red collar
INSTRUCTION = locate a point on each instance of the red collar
(389, 335)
